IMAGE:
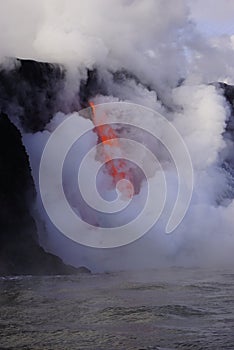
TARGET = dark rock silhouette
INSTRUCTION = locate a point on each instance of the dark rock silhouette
(33, 92)
(20, 252)
(228, 93)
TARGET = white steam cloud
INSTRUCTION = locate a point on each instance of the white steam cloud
(158, 42)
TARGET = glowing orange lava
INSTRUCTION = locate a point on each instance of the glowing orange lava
(117, 168)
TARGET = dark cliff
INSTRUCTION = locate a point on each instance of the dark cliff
(20, 252)
(30, 94)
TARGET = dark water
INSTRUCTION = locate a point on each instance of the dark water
(158, 309)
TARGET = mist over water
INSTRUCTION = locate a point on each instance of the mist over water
(150, 53)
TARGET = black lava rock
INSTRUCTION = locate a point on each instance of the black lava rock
(20, 252)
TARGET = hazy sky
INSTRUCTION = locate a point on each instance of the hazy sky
(214, 17)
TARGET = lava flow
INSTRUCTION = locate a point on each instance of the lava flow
(117, 168)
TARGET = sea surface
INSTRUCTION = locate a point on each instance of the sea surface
(162, 309)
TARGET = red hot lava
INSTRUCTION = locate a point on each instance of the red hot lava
(117, 168)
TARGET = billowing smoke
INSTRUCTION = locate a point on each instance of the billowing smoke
(150, 53)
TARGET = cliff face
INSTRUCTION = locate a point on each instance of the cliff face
(20, 252)
(228, 92)
(228, 164)
(30, 93)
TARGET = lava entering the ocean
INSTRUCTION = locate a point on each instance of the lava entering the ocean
(116, 168)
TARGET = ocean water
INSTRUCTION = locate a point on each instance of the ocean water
(173, 308)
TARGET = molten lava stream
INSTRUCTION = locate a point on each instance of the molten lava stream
(117, 168)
